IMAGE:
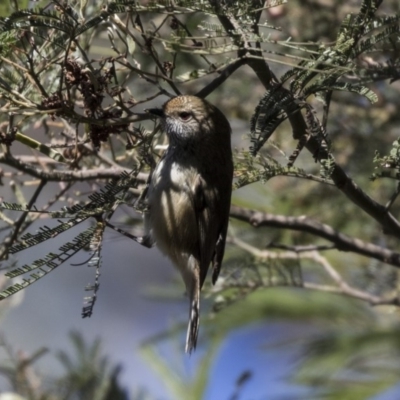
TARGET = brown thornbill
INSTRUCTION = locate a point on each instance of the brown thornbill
(190, 193)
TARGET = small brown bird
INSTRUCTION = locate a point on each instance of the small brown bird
(190, 193)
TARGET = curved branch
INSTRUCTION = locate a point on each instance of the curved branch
(304, 224)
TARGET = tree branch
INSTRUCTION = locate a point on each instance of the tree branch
(65, 176)
(304, 224)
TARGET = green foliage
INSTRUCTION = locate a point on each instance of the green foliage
(88, 375)
(357, 364)
(271, 111)
(388, 166)
(323, 72)
(7, 7)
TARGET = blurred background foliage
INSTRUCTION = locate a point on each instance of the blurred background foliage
(145, 50)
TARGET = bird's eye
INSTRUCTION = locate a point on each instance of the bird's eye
(184, 116)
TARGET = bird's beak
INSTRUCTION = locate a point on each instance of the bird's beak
(158, 112)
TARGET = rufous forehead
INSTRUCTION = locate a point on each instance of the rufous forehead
(183, 103)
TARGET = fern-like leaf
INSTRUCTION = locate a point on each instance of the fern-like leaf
(47, 264)
(271, 111)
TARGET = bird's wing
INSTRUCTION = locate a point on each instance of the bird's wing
(220, 248)
(222, 216)
(207, 225)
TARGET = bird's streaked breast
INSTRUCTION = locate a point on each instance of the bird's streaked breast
(172, 216)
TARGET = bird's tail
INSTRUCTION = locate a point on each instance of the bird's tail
(194, 313)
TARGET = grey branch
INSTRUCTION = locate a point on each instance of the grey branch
(64, 176)
(342, 242)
